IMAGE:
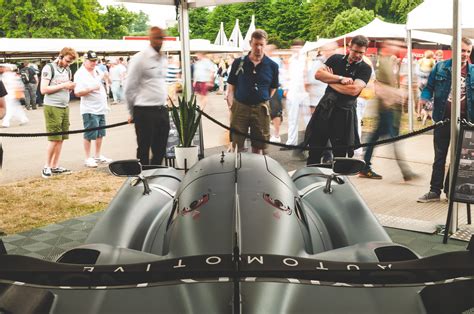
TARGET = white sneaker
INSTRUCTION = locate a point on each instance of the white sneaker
(275, 139)
(46, 173)
(102, 160)
(91, 163)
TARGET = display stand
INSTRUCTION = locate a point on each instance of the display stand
(462, 189)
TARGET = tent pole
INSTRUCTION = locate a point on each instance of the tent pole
(410, 80)
(185, 47)
(455, 104)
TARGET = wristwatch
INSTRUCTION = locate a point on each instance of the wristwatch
(341, 78)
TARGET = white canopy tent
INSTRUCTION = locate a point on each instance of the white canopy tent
(48, 47)
(221, 38)
(437, 16)
(380, 29)
(236, 39)
(248, 36)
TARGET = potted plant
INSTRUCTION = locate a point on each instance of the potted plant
(186, 119)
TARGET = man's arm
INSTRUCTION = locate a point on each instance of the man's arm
(132, 83)
(230, 95)
(2, 107)
(349, 89)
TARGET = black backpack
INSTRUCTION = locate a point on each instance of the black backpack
(25, 78)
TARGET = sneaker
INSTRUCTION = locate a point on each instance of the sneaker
(102, 160)
(429, 197)
(46, 173)
(369, 174)
(275, 139)
(60, 170)
(91, 163)
(410, 176)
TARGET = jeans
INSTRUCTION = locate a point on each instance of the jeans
(117, 91)
(30, 95)
(441, 141)
(388, 125)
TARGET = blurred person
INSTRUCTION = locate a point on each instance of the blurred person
(15, 89)
(93, 107)
(117, 76)
(252, 82)
(439, 55)
(221, 73)
(56, 84)
(146, 95)
(30, 80)
(296, 98)
(276, 107)
(106, 79)
(173, 77)
(3, 93)
(389, 101)
(423, 70)
(204, 71)
(367, 94)
(439, 87)
(335, 117)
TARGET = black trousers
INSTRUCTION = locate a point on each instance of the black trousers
(441, 139)
(335, 129)
(152, 125)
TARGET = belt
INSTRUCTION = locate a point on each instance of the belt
(150, 107)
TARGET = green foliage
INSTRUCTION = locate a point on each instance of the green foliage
(186, 119)
(284, 20)
(140, 23)
(173, 31)
(348, 21)
(117, 21)
(50, 19)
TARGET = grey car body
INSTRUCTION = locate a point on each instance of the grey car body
(235, 234)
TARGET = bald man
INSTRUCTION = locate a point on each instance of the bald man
(146, 93)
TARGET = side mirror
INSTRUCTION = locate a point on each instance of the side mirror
(347, 166)
(126, 168)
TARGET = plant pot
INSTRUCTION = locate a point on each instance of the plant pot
(188, 153)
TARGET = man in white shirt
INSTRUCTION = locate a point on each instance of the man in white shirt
(146, 93)
(117, 76)
(93, 106)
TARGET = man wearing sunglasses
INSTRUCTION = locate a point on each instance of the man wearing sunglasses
(335, 117)
(56, 86)
(438, 88)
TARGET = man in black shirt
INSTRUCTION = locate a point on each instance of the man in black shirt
(335, 117)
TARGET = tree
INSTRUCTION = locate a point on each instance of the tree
(198, 23)
(140, 24)
(117, 21)
(50, 19)
(348, 21)
(322, 14)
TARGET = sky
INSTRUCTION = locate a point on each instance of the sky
(158, 14)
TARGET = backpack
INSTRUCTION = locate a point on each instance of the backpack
(52, 73)
(25, 78)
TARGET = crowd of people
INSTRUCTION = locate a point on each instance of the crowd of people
(328, 91)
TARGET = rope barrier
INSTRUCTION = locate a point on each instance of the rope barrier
(304, 147)
(62, 133)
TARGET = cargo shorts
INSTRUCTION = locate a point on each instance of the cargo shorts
(57, 120)
(256, 117)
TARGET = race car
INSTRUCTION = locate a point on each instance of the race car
(237, 234)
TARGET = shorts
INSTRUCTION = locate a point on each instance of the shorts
(255, 117)
(276, 108)
(57, 120)
(201, 88)
(91, 120)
